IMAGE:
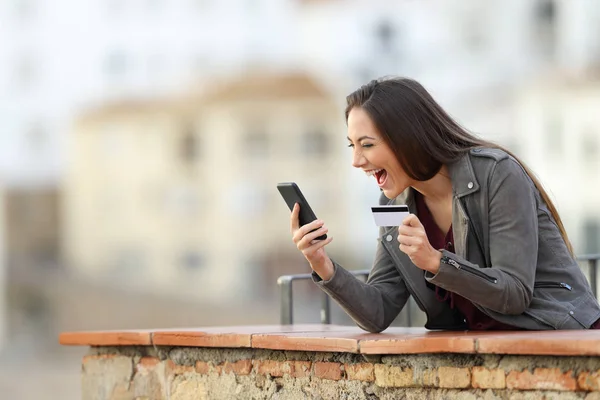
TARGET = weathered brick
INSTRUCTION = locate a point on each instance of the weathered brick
(121, 392)
(269, 367)
(242, 367)
(429, 378)
(299, 369)
(147, 363)
(589, 381)
(542, 378)
(390, 376)
(535, 395)
(202, 367)
(360, 372)
(176, 369)
(328, 370)
(451, 377)
(485, 378)
(148, 381)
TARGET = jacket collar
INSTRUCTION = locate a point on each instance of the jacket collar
(462, 176)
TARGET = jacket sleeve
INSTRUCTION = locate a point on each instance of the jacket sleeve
(507, 286)
(372, 305)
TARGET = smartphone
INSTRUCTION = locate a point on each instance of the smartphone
(291, 194)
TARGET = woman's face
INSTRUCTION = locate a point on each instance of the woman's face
(372, 154)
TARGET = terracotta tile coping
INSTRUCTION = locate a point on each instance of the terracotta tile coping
(349, 339)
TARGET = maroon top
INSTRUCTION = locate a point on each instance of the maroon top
(475, 318)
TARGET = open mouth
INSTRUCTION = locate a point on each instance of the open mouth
(379, 174)
(381, 177)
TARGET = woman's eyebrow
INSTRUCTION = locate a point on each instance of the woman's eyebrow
(361, 138)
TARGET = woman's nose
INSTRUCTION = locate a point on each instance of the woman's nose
(357, 159)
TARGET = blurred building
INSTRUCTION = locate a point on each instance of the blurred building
(29, 252)
(180, 196)
(33, 220)
(458, 47)
(559, 128)
(64, 57)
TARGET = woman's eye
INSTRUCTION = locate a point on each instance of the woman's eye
(350, 145)
(367, 145)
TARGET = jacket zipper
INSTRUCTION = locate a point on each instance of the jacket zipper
(557, 285)
(471, 270)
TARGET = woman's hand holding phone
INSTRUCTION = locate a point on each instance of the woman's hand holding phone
(313, 250)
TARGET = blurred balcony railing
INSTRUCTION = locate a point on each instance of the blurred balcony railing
(286, 300)
(592, 261)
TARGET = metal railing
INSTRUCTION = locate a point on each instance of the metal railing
(286, 301)
(592, 261)
(285, 283)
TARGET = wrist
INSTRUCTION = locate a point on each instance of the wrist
(434, 265)
(324, 269)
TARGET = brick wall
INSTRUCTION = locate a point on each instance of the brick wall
(179, 373)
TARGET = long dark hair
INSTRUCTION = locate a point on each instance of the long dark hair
(421, 134)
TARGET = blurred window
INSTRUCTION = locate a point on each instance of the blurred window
(256, 144)
(188, 145)
(115, 64)
(385, 35)
(591, 236)
(315, 143)
(192, 260)
(545, 12)
(545, 26)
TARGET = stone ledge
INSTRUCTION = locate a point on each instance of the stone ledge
(349, 339)
(180, 373)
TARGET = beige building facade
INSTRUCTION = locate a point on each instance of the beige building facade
(179, 196)
(560, 125)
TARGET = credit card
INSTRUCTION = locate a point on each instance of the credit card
(391, 215)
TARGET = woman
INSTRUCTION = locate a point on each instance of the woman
(483, 249)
